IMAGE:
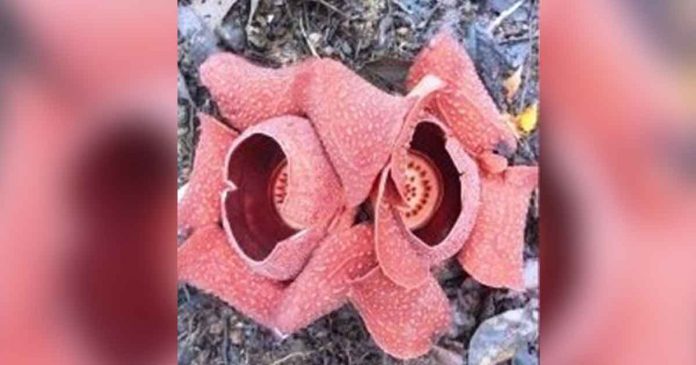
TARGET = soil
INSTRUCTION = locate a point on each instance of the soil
(378, 39)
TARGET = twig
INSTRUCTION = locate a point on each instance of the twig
(506, 13)
(304, 34)
(524, 38)
(252, 10)
(332, 7)
(403, 7)
(290, 356)
(186, 293)
(226, 342)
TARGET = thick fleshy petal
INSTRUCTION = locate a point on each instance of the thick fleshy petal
(313, 191)
(343, 220)
(453, 221)
(278, 260)
(356, 122)
(464, 103)
(323, 284)
(247, 94)
(404, 323)
(201, 203)
(393, 246)
(275, 231)
(207, 262)
(493, 252)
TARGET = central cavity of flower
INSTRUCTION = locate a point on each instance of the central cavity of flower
(423, 191)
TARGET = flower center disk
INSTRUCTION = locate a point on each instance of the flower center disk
(423, 190)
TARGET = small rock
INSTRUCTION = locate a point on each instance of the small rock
(402, 31)
(236, 337)
(314, 38)
(498, 338)
(233, 36)
(199, 37)
(212, 11)
(524, 357)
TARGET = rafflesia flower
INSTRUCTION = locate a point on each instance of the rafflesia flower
(271, 212)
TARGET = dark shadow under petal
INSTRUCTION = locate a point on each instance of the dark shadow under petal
(250, 212)
(430, 140)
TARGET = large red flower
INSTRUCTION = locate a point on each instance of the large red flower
(271, 212)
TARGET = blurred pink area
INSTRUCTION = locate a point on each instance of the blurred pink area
(618, 191)
(87, 217)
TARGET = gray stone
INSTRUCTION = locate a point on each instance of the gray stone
(212, 11)
(498, 338)
(201, 40)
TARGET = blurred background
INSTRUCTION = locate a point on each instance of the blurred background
(87, 141)
(87, 210)
(618, 184)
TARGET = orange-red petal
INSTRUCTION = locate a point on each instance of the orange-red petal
(393, 243)
(356, 121)
(323, 284)
(276, 239)
(247, 94)
(207, 262)
(404, 323)
(445, 235)
(464, 103)
(314, 193)
(201, 202)
(493, 252)
(282, 259)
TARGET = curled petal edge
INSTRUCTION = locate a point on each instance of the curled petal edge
(393, 242)
(200, 203)
(404, 323)
(286, 259)
(470, 187)
(464, 103)
(281, 248)
(493, 254)
(207, 262)
(323, 285)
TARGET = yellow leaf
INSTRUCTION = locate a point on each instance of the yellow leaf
(512, 83)
(527, 120)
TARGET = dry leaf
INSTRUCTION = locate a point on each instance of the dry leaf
(527, 120)
(512, 83)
